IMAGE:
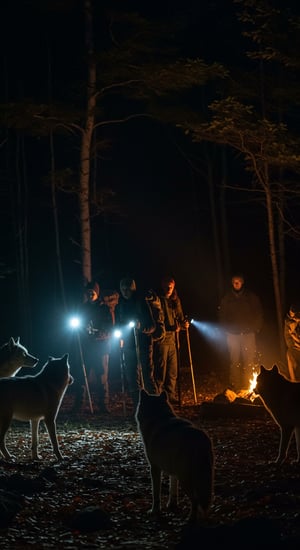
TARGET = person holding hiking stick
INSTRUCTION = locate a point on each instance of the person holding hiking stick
(166, 351)
(135, 320)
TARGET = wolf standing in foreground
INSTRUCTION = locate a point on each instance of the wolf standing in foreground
(281, 398)
(175, 446)
(35, 398)
(14, 356)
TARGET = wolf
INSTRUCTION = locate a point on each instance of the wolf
(14, 356)
(34, 398)
(281, 398)
(180, 449)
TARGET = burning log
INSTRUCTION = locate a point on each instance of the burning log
(229, 404)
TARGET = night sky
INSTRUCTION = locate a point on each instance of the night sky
(154, 170)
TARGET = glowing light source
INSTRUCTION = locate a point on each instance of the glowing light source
(75, 322)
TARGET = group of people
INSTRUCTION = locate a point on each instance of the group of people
(149, 325)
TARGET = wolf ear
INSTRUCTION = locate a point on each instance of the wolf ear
(65, 357)
(274, 368)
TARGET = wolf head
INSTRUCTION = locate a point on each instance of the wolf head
(153, 406)
(57, 369)
(14, 356)
(268, 380)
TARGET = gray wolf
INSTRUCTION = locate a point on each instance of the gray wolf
(35, 398)
(180, 449)
(281, 398)
(14, 356)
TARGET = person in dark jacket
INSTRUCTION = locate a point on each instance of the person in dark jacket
(241, 315)
(98, 322)
(292, 340)
(137, 339)
(166, 350)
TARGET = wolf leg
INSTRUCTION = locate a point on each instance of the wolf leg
(5, 423)
(51, 427)
(285, 438)
(156, 488)
(173, 493)
(35, 439)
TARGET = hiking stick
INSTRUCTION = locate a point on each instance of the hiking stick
(178, 367)
(84, 374)
(122, 368)
(191, 364)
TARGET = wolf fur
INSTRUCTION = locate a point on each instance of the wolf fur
(281, 398)
(34, 398)
(180, 449)
(14, 356)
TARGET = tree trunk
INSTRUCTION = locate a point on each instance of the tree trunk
(85, 153)
(274, 265)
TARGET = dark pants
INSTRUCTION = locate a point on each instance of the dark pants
(96, 362)
(139, 375)
(166, 365)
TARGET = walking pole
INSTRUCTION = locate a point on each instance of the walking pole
(191, 364)
(84, 374)
(178, 367)
(122, 366)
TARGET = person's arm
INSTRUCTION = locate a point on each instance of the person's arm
(147, 323)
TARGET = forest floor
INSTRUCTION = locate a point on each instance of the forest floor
(99, 495)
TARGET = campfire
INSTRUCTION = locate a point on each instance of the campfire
(246, 403)
(247, 394)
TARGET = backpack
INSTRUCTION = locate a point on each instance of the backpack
(158, 316)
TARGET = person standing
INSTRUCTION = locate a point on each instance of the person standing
(98, 320)
(292, 340)
(166, 350)
(241, 315)
(137, 340)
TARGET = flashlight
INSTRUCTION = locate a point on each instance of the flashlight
(75, 322)
(117, 333)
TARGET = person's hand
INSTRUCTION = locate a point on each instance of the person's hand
(147, 331)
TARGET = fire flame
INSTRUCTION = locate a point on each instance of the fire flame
(252, 384)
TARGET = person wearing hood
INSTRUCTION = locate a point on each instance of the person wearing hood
(241, 316)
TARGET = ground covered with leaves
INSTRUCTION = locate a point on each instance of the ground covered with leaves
(99, 495)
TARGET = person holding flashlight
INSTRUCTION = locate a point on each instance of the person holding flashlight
(98, 320)
(133, 309)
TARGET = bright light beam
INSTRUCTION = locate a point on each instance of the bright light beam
(210, 331)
